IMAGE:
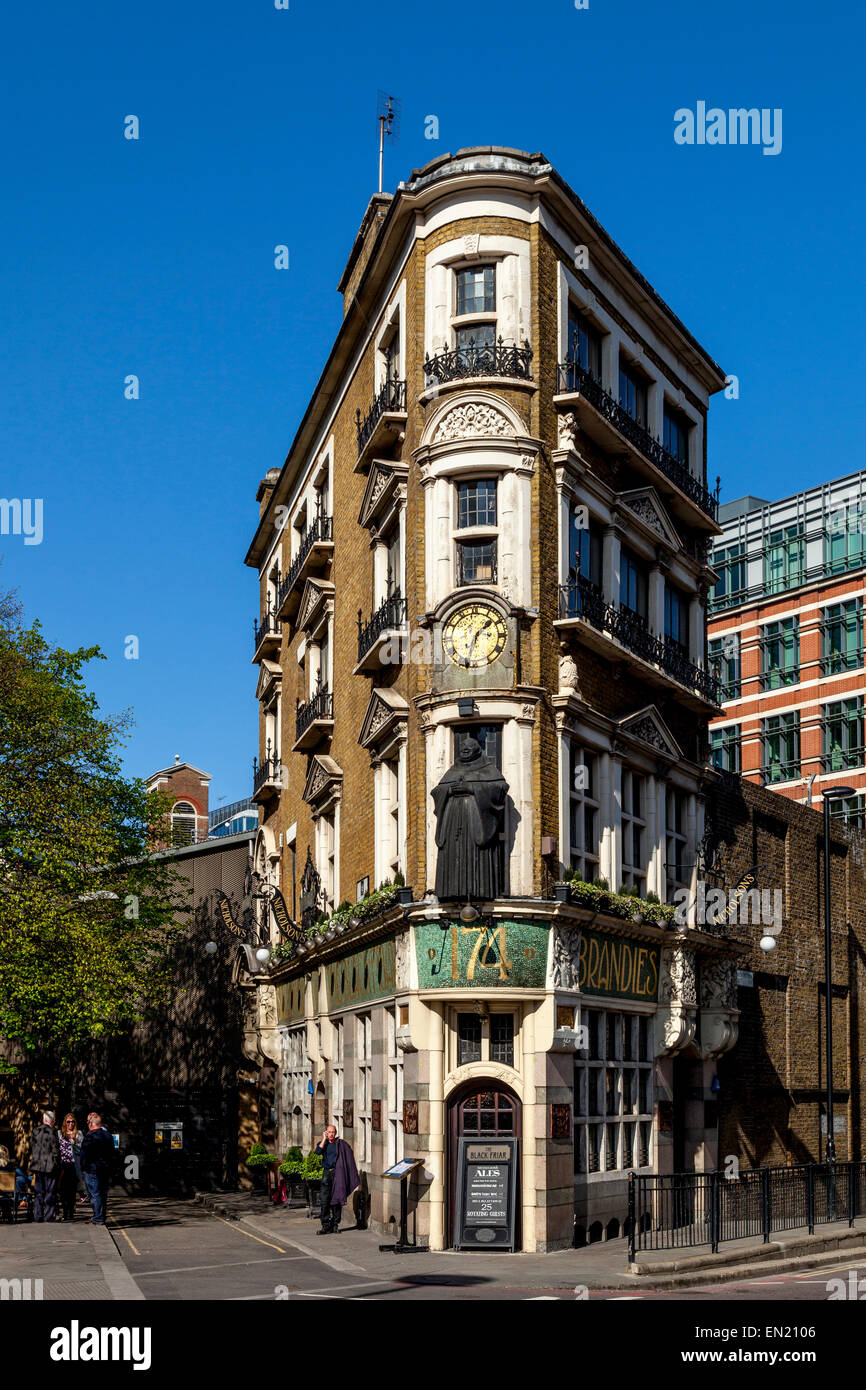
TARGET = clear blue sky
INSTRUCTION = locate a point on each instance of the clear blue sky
(155, 257)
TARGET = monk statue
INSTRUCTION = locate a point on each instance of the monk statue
(469, 804)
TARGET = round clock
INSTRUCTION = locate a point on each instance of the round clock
(474, 635)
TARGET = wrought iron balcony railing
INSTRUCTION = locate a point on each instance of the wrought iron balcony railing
(320, 529)
(479, 359)
(574, 378)
(268, 627)
(319, 706)
(582, 599)
(392, 397)
(393, 613)
(268, 770)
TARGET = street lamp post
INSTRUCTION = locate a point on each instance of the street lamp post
(830, 794)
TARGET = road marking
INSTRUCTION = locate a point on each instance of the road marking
(543, 1298)
(126, 1238)
(236, 1226)
(188, 1269)
(335, 1262)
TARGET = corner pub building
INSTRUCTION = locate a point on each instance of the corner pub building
(493, 521)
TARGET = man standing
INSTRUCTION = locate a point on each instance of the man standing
(45, 1165)
(339, 1179)
(97, 1152)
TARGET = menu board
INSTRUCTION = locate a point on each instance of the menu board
(486, 1194)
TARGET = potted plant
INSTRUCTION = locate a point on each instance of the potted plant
(312, 1176)
(292, 1169)
(261, 1163)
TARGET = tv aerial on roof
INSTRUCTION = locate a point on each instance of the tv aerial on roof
(388, 110)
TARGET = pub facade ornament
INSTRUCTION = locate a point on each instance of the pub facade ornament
(469, 804)
(676, 1016)
(565, 966)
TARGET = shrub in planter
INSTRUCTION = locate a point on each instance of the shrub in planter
(313, 1168)
(260, 1158)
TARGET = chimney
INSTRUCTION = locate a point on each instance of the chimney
(265, 488)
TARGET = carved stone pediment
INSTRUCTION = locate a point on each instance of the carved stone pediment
(384, 481)
(324, 780)
(270, 680)
(471, 419)
(648, 727)
(386, 712)
(645, 504)
(318, 593)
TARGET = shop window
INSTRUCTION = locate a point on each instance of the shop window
(613, 1094)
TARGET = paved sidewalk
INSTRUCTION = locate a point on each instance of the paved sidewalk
(600, 1266)
(73, 1260)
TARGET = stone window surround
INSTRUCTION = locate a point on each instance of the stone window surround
(511, 459)
(303, 509)
(515, 711)
(618, 524)
(455, 1007)
(610, 761)
(659, 389)
(393, 316)
(510, 255)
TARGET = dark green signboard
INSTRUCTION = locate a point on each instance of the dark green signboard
(365, 975)
(611, 965)
(468, 955)
(291, 1001)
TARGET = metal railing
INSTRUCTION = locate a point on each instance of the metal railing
(681, 1210)
(319, 706)
(268, 770)
(392, 396)
(575, 378)
(479, 359)
(321, 528)
(220, 814)
(269, 625)
(392, 613)
(582, 599)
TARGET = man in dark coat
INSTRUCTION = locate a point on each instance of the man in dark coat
(45, 1165)
(339, 1179)
(469, 803)
(97, 1155)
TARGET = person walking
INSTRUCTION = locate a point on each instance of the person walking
(339, 1179)
(45, 1166)
(97, 1152)
(70, 1139)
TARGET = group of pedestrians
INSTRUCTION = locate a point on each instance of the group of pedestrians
(59, 1160)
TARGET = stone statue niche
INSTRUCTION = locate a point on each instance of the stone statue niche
(470, 806)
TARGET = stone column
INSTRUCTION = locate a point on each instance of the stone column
(615, 877)
(655, 839)
(610, 565)
(656, 600)
(654, 408)
(533, 1126)
(607, 813)
(437, 1156)
(696, 630)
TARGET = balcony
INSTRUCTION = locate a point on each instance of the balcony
(610, 425)
(389, 620)
(266, 636)
(313, 720)
(267, 777)
(383, 422)
(316, 548)
(479, 360)
(658, 660)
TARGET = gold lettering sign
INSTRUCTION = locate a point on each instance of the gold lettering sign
(612, 966)
(225, 909)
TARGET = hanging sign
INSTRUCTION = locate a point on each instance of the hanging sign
(287, 928)
(486, 1194)
(746, 883)
(225, 910)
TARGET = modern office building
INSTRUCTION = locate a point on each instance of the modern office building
(786, 639)
(493, 521)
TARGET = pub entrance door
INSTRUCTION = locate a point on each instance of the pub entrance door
(480, 1109)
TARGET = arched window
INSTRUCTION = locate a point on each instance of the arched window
(183, 823)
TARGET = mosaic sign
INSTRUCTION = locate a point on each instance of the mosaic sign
(365, 975)
(610, 965)
(291, 1007)
(464, 956)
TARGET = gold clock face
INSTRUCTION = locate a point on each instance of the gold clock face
(474, 635)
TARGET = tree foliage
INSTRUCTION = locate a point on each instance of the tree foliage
(86, 907)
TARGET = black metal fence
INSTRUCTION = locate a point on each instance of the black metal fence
(680, 1210)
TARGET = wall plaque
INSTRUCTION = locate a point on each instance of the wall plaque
(410, 1117)
(348, 1114)
(560, 1122)
(376, 1109)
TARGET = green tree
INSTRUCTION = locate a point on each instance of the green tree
(86, 906)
